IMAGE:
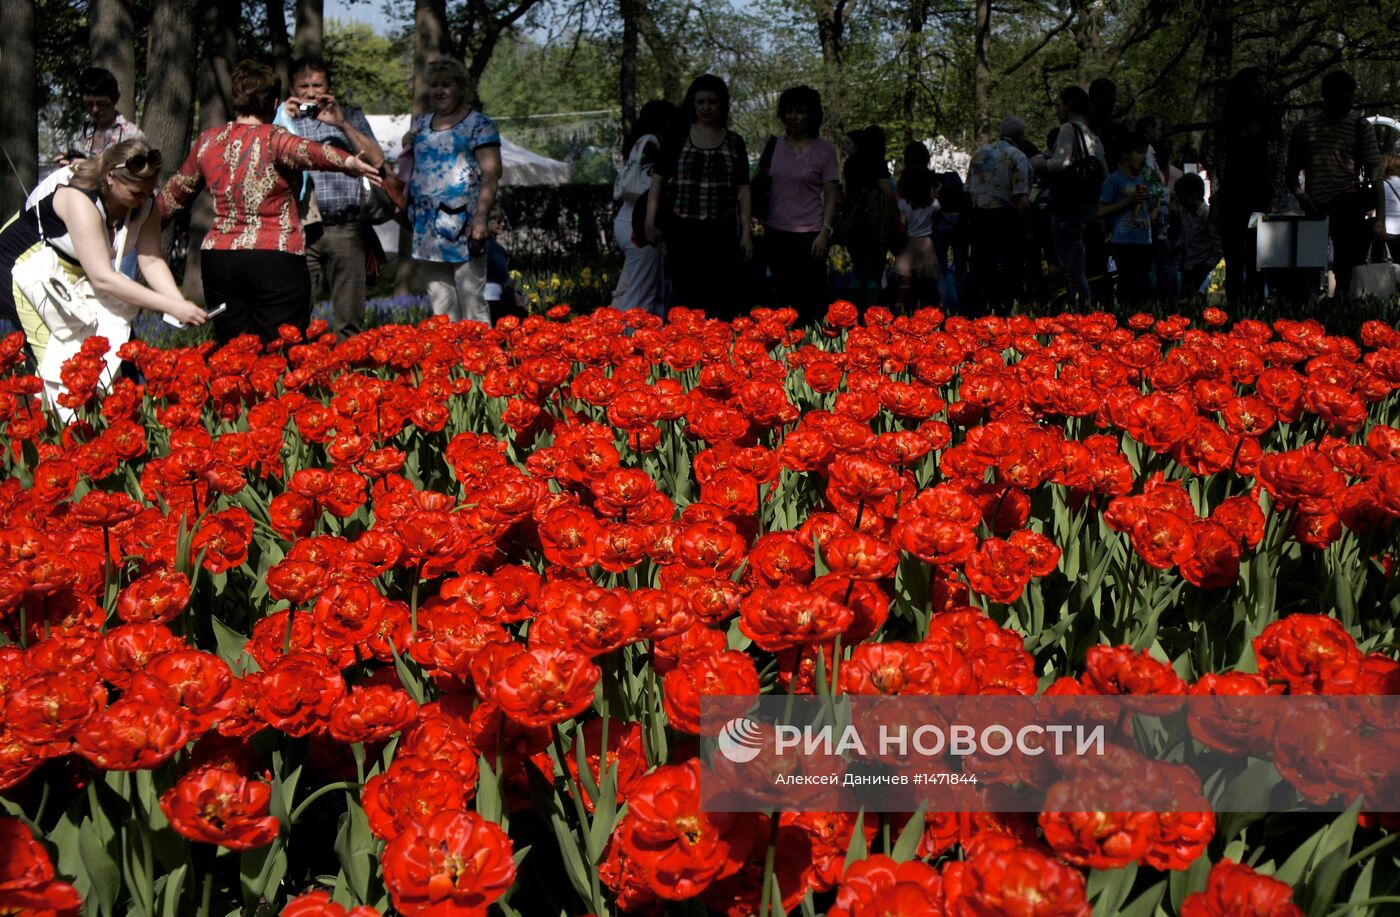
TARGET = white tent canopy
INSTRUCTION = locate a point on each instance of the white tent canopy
(519, 165)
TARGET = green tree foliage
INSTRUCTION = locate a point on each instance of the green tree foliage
(571, 73)
(907, 65)
(370, 70)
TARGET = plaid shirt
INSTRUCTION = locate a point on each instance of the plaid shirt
(703, 181)
(335, 191)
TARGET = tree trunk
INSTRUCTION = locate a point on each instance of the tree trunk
(430, 41)
(1217, 58)
(113, 46)
(19, 116)
(220, 20)
(281, 48)
(309, 41)
(982, 73)
(913, 60)
(662, 51)
(1088, 39)
(166, 116)
(169, 107)
(831, 33)
(479, 55)
(482, 31)
(627, 65)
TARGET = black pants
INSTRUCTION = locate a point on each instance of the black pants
(1134, 264)
(1192, 278)
(264, 290)
(1243, 282)
(703, 265)
(799, 280)
(1350, 230)
(1096, 250)
(998, 257)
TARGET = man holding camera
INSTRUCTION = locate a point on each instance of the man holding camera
(337, 259)
(104, 125)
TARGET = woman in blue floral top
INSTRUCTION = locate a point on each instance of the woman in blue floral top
(456, 167)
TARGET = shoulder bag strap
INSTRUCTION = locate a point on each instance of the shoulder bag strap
(39, 219)
(1079, 139)
(765, 161)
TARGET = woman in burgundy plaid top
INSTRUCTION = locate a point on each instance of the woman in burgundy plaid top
(699, 202)
(254, 256)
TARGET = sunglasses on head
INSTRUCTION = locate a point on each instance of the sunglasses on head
(143, 161)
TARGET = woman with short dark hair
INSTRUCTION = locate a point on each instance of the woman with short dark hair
(797, 227)
(699, 201)
(104, 125)
(253, 258)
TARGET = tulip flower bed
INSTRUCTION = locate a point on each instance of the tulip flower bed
(420, 622)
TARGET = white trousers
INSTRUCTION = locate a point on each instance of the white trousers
(457, 290)
(643, 281)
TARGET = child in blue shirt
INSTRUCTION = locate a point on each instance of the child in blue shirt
(1129, 203)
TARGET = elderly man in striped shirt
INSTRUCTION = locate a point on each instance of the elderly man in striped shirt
(1334, 149)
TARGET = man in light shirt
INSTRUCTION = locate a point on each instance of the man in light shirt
(104, 126)
(999, 185)
(337, 258)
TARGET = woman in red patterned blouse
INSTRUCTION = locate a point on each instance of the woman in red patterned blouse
(254, 256)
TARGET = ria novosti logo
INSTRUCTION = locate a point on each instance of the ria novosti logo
(741, 740)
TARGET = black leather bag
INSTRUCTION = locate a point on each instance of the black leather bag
(1080, 183)
(385, 203)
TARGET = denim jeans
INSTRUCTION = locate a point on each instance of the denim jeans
(1068, 229)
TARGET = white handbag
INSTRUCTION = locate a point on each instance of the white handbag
(59, 292)
(1378, 279)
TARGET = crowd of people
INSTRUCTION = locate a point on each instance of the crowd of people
(1104, 213)
(1101, 214)
(292, 178)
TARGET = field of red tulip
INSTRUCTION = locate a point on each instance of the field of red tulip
(420, 622)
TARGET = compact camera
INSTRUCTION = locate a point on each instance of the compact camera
(309, 109)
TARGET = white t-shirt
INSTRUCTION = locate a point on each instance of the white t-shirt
(1392, 205)
(918, 221)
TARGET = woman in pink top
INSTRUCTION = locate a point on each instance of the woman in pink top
(801, 206)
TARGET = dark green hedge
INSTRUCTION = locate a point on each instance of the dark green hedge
(558, 226)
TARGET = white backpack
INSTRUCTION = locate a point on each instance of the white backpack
(634, 180)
